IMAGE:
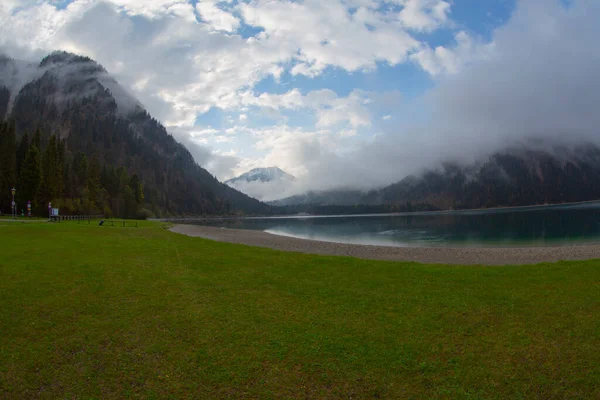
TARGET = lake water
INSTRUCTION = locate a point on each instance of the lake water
(530, 226)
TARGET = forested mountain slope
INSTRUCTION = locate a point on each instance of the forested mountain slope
(98, 146)
(527, 174)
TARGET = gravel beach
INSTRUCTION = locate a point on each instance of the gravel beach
(430, 255)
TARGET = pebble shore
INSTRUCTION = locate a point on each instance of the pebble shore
(429, 255)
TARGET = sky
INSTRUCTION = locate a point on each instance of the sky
(339, 93)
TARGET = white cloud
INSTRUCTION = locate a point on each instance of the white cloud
(444, 60)
(330, 109)
(352, 109)
(540, 81)
(148, 8)
(423, 15)
(217, 18)
(323, 33)
(180, 66)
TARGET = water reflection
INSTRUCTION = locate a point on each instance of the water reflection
(532, 226)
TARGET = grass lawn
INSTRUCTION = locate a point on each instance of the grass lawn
(112, 312)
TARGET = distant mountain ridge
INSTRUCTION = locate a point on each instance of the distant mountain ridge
(268, 174)
(517, 176)
(340, 197)
(74, 99)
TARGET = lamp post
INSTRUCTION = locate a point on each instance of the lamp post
(13, 191)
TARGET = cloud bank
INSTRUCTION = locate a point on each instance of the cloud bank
(536, 76)
(537, 79)
(183, 59)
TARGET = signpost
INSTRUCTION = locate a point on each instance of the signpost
(54, 215)
(14, 205)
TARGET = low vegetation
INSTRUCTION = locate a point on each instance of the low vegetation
(113, 312)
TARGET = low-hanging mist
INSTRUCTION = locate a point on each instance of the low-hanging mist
(536, 86)
(531, 84)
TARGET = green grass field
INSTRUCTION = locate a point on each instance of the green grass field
(111, 312)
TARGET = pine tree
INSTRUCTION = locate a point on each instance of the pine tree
(51, 171)
(30, 178)
(137, 188)
(8, 176)
(60, 167)
(93, 182)
(130, 205)
(22, 152)
(37, 139)
(80, 173)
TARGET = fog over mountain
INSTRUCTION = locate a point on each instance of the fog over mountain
(536, 85)
(263, 183)
(75, 111)
(533, 83)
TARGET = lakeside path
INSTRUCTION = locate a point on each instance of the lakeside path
(429, 255)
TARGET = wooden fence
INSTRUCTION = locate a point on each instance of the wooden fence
(82, 219)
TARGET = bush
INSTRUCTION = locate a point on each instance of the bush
(144, 213)
(108, 212)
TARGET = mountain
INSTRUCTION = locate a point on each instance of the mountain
(529, 174)
(339, 197)
(517, 176)
(263, 183)
(95, 127)
(262, 175)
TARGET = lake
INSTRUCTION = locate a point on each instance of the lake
(527, 226)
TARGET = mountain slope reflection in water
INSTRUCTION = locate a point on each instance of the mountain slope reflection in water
(553, 225)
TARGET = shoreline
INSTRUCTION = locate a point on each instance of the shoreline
(427, 255)
(502, 209)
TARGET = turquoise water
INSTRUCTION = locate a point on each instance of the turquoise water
(530, 226)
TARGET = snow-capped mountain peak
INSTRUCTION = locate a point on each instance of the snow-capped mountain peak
(269, 174)
(263, 183)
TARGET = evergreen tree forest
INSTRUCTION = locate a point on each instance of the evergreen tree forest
(66, 138)
(44, 172)
(69, 140)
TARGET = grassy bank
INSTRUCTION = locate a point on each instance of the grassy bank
(112, 312)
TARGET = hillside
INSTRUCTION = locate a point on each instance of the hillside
(322, 198)
(91, 117)
(517, 176)
(514, 177)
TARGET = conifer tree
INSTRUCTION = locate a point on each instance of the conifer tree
(93, 182)
(22, 152)
(51, 171)
(37, 139)
(30, 178)
(8, 176)
(80, 173)
(137, 188)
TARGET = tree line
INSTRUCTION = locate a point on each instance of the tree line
(92, 124)
(42, 171)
